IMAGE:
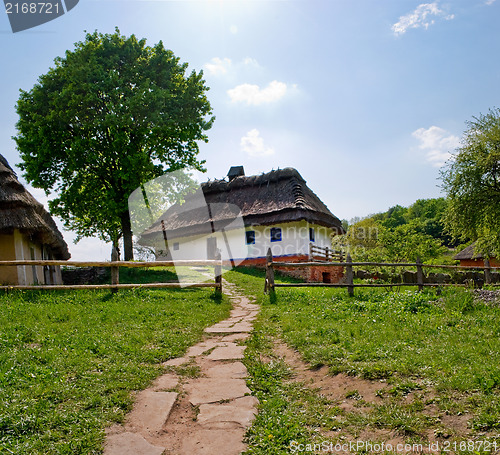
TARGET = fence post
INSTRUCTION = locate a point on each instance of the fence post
(420, 274)
(218, 272)
(269, 284)
(115, 271)
(327, 255)
(349, 275)
(487, 271)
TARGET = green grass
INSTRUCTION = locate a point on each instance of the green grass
(288, 412)
(70, 360)
(446, 346)
(145, 275)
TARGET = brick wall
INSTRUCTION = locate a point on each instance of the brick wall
(314, 274)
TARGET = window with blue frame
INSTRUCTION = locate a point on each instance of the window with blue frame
(250, 237)
(275, 234)
(311, 234)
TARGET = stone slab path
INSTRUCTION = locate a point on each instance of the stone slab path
(202, 406)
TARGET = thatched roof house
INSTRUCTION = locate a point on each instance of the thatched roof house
(469, 258)
(278, 209)
(280, 196)
(27, 231)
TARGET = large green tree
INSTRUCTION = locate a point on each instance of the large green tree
(110, 115)
(471, 180)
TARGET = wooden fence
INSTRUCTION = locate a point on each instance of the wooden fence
(348, 281)
(318, 253)
(115, 265)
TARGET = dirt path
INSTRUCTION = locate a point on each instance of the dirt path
(358, 397)
(202, 404)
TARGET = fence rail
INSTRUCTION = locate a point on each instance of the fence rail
(348, 265)
(115, 266)
(323, 253)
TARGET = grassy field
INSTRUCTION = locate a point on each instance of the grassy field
(437, 356)
(70, 360)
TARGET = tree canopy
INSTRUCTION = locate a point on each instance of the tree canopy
(108, 117)
(472, 183)
(399, 234)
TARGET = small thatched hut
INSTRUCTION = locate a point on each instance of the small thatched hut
(27, 232)
(469, 258)
(278, 209)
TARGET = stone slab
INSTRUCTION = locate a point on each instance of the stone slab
(226, 323)
(177, 362)
(230, 415)
(235, 370)
(247, 402)
(236, 337)
(238, 313)
(215, 442)
(211, 390)
(200, 348)
(231, 352)
(130, 444)
(196, 351)
(240, 327)
(165, 382)
(250, 307)
(151, 410)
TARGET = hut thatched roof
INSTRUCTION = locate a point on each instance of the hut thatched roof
(20, 210)
(276, 197)
(469, 253)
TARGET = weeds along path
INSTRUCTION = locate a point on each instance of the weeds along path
(202, 404)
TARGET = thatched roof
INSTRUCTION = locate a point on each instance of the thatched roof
(20, 210)
(276, 197)
(468, 253)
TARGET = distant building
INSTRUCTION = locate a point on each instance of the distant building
(468, 258)
(27, 231)
(279, 211)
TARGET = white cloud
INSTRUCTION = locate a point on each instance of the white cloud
(248, 61)
(437, 143)
(423, 16)
(233, 29)
(218, 66)
(254, 95)
(254, 145)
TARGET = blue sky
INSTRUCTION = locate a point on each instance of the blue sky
(364, 98)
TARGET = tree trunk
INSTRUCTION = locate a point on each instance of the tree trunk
(128, 248)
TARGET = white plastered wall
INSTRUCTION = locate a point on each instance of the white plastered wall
(294, 241)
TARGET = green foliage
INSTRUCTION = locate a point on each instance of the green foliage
(69, 361)
(400, 233)
(394, 217)
(109, 116)
(392, 238)
(406, 242)
(472, 183)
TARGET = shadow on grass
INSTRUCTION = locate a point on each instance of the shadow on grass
(261, 273)
(143, 275)
(249, 276)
